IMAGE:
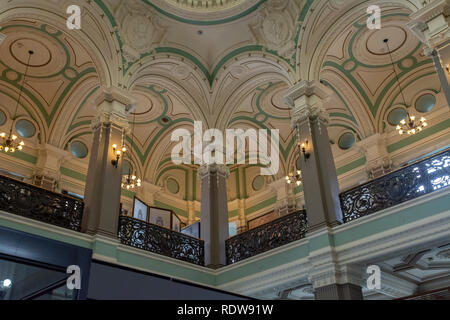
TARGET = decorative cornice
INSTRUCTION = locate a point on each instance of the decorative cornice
(207, 169)
(307, 99)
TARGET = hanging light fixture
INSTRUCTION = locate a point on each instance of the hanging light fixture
(9, 142)
(130, 181)
(409, 125)
(294, 178)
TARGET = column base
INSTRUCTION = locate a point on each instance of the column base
(346, 291)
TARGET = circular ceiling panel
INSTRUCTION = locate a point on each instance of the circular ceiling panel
(173, 186)
(25, 128)
(369, 49)
(396, 115)
(346, 141)
(49, 56)
(258, 183)
(2, 118)
(79, 149)
(425, 103)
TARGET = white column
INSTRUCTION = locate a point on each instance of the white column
(103, 182)
(214, 213)
(320, 183)
(431, 24)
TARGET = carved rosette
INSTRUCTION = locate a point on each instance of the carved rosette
(276, 27)
(140, 30)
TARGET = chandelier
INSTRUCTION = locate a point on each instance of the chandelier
(294, 178)
(130, 181)
(10, 142)
(408, 125)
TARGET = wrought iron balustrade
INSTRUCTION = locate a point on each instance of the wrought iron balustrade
(405, 184)
(269, 236)
(150, 237)
(40, 204)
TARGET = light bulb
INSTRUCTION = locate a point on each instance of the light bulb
(413, 118)
(401, 132)
(299, 183)
(2, 134)
(114, 146)
(403, 121)
(399, 128)
(13, 150)
(7, 283)
(6, 149)
(22, 143)
(14, 137)
(133, 178)
(289, 181)
(425, 124)
(118, 152)
(124, 149)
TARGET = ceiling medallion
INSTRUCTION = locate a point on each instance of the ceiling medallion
(205, 5)
(9, 143)
(408, 125)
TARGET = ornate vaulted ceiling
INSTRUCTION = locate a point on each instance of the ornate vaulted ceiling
(226, 63)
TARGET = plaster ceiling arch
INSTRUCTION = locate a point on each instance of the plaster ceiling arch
(231, 103)
(76, 120)
(58, 68)
(179, 76)
(95, 35)
(242, 72)
(329, 19)
(162, 150)
(191, 103)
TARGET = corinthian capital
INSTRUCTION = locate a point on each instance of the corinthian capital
(113, 106)
(307, 99)
(207, 169)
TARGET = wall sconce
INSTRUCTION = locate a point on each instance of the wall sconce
(117, 154)
(303, 147)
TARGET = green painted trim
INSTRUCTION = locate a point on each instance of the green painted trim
(233, 213)
(72, 174)
(261, 205)
(22, 156)
(351, 166)
(444, 125)
(128, 193)
(273, 261)
(86, 122)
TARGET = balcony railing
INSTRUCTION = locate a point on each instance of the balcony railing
(405, 184)
(150, 237)
(39, 204)
(272, 235)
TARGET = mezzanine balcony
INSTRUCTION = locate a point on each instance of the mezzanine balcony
(410, 182)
